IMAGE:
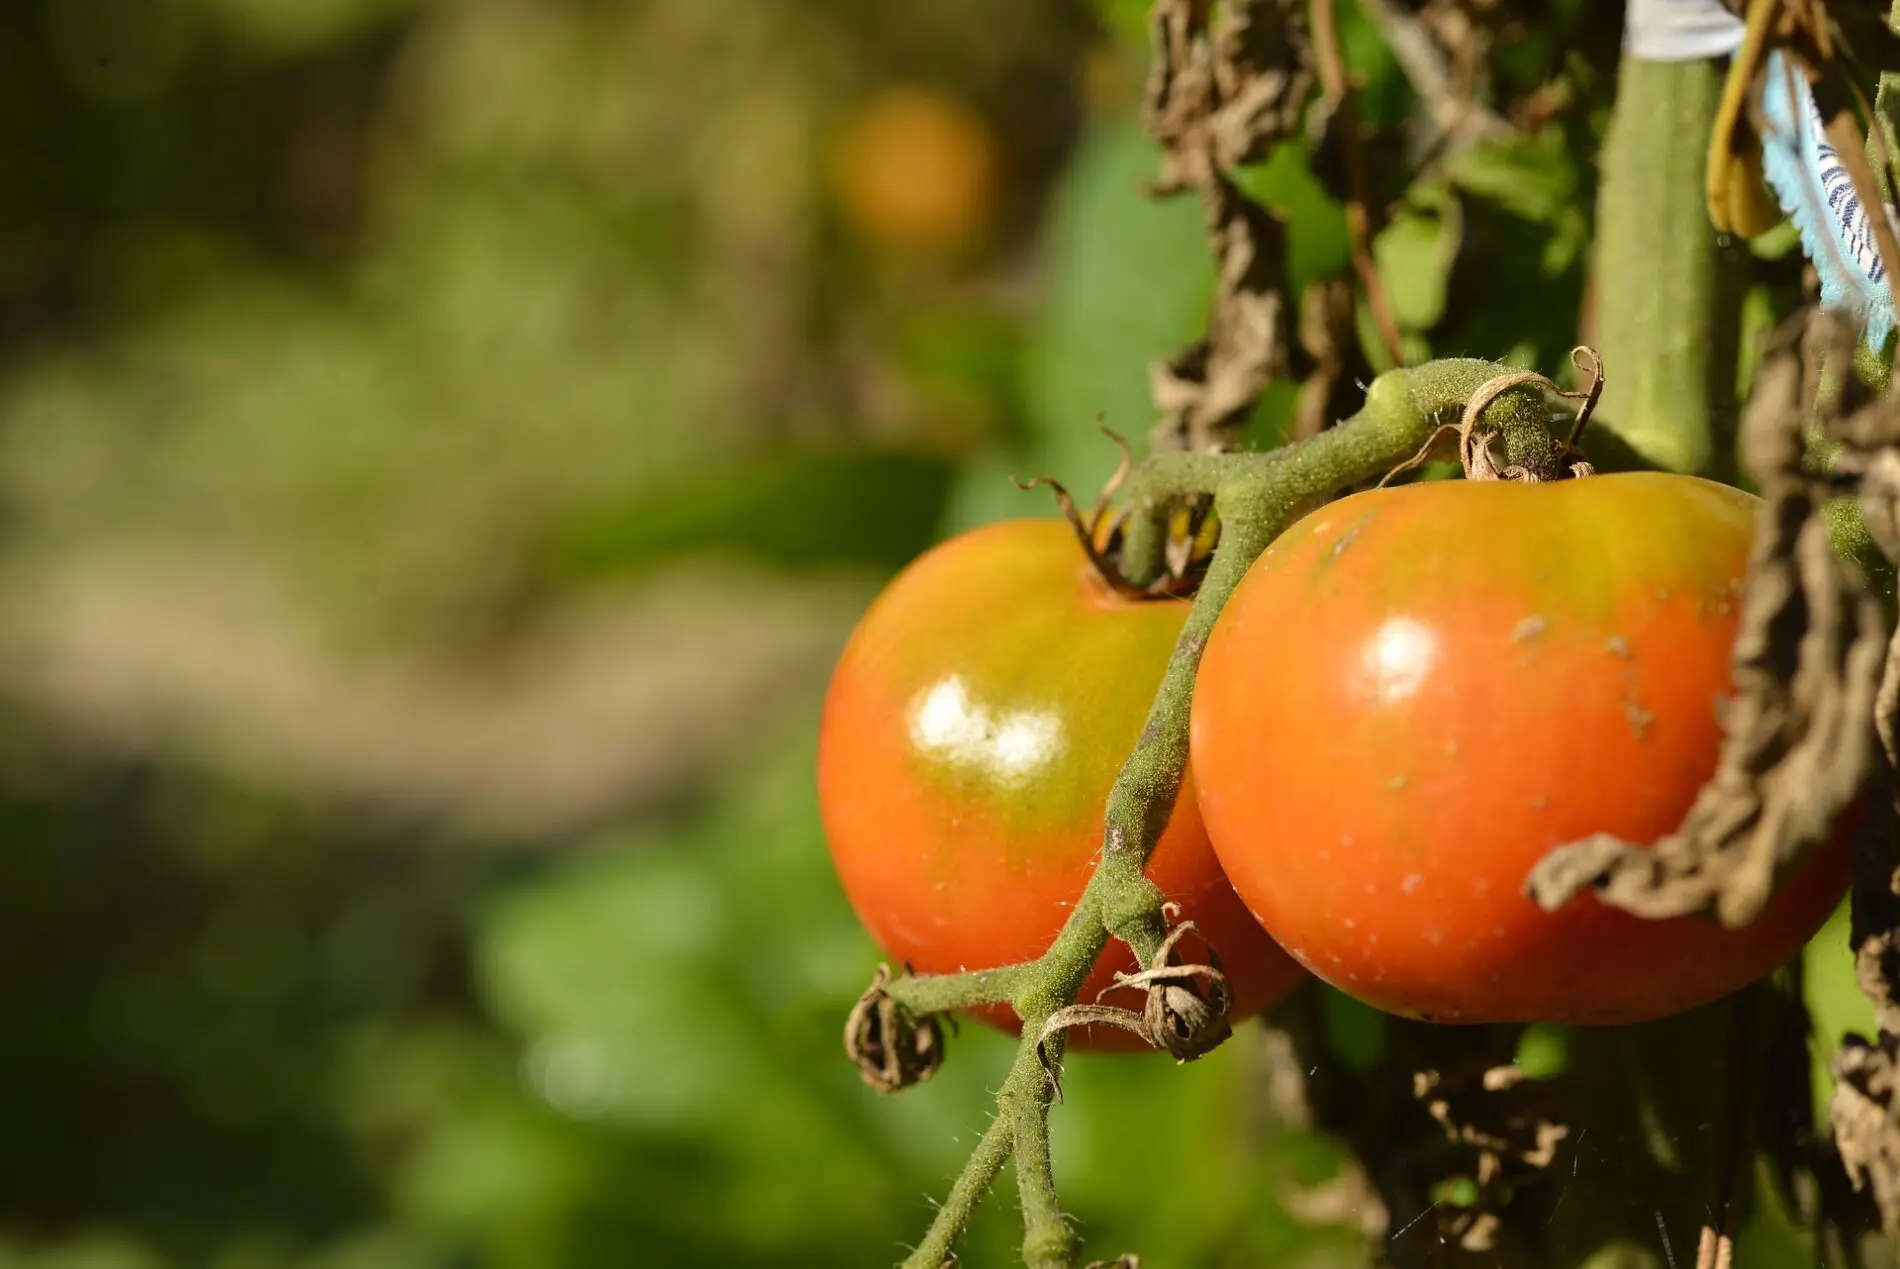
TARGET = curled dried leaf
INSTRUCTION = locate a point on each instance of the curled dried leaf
(1187, 1006)
(1866, 1123)
(891, 1049)
(1797, 750)
(1185, 1011)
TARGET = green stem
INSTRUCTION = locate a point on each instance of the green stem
(1660, 323)
(1049, 1241)
(1255, 497)
(943, 993)
(978, 1174)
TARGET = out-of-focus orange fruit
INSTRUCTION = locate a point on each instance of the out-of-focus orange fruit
(916, 170)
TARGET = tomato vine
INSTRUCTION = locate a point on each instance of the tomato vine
(1254, 496)
(1807, 661)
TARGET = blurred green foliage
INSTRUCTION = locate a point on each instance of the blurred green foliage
(447, 326)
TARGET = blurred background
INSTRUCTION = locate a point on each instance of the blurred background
(443, 444)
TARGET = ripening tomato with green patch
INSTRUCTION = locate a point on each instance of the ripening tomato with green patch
(973, 728)
(1416, 693)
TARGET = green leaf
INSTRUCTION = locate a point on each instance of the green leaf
(1317, 242)
(1414, 255)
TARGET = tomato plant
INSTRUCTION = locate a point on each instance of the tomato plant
(973, 727)
(1417, 692)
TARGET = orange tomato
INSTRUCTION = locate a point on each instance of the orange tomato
(1417, 692)
(973, 728)
(915, 170)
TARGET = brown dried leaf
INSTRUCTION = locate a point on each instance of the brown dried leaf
(1865, 1127)
(1224, 88)
(1798, 749)
(1497, 1113)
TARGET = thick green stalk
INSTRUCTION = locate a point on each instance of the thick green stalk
(1667, 340)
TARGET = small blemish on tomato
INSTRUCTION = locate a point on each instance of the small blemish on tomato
(1396, 783)
(1411, 883)
(1618, 646)
(1451, 749)
(1529, 628)
(1539, 802)
(1640, 719)
(1351, 924)
(1347, 538)
(1434, 937)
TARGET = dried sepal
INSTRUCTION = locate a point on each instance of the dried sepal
(891, 1049)
(1185, 1011)
(1187, 1005)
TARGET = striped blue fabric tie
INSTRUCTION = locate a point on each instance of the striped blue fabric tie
(1813, 186)
(1810, 182)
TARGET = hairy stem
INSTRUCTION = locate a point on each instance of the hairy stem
(1049, 1242)
(960, 1205)
(942, 993)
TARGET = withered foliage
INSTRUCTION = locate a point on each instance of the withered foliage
(1184, 1009)
(891, 1049)
(1866, 1107)
(1228, 82)
(1798, 746)
(1440, 1105)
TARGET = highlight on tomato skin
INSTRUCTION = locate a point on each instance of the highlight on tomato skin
(973, 727)
(1417, 692)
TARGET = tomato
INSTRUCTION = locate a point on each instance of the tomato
(915, 170)
(973, 728)
(1415, 693)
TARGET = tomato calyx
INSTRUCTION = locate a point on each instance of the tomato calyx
(1185, 1011)
(1531, 454)
(891, 1048)
(1101, 531)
